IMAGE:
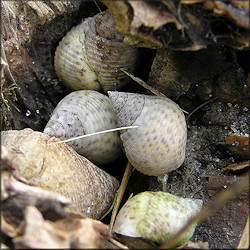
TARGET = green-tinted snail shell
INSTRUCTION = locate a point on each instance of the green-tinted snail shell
(156, 216)
(92, 54)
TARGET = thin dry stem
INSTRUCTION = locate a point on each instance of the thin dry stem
(143, 84)
(121, 191)
(118, 244)
(146, 86)
(96, 133)
(199, 107)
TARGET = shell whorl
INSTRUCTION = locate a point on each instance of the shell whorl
(157, 216)
(92, 55)
(70, 62)
(158, 145)
(84, 112)
(58, 168)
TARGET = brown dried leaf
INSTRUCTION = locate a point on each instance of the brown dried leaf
(235, 167)
(85, 233)
(173, 72)
(65, 233)
(181, 25)
(150, 16)
(234, 11)
(19, 195)
(237, 145)
(38, 233)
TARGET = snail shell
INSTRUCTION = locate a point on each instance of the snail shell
(91, 55)
(39, 160)
(158, 145)
(84, 112)
(156, 216)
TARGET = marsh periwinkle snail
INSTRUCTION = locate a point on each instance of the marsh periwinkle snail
(39, 160)
(84, 112)
(158, 145)
(92, 54)
(157, 216)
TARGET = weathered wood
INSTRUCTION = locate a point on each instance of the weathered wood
(31, 31)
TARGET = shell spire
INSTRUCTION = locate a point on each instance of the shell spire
(57, 167)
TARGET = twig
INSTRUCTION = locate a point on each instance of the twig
(121, 191)
(117, 243)
(143, 84)
(199, 107)
(146, 86)
(96, 133)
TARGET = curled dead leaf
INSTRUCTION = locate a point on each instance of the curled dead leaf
(180, 25)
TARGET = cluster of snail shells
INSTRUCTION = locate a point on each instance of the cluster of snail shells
(92, 54)
(155, 147)
(84, 112)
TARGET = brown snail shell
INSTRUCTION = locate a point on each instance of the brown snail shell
(158, 145)
(84, 112)
(92, 54)
(39, 160)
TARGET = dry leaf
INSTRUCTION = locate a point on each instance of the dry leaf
(237, 166)
(65, 233)
(238, 145)
(17, 196)
(180, 25)
(173, 72)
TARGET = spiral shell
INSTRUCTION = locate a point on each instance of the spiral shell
(41, 161)
(84, 112)
(91, 55)
(157, 216)
(158, 145)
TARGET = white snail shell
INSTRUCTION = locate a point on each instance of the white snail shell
(84, 112)
(92, 55)
(156, 216)
(158, 145)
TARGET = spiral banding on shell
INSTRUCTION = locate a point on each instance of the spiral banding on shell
(84, 112)
(92, 55)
